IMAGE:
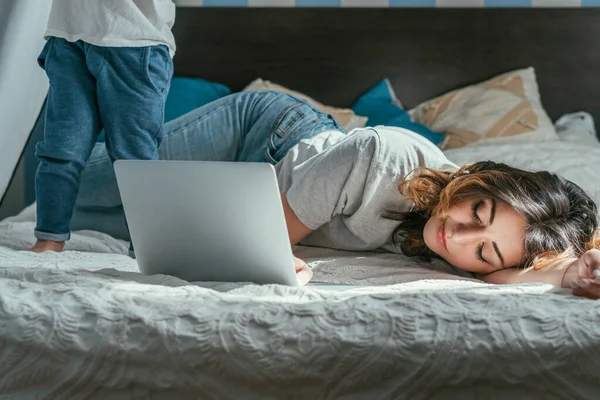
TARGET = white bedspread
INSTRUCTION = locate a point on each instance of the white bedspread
(83, 324)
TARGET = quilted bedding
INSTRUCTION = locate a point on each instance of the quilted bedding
(85, 325)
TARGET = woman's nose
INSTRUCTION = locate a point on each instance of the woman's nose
(465, 234)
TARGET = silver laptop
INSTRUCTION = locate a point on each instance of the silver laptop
(208, 221)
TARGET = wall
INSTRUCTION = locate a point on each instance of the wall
(23, 85)
(14, 200)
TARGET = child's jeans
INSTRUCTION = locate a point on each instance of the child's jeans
(119, 89)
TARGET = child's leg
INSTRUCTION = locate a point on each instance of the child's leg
(72, 125)
(132, 88)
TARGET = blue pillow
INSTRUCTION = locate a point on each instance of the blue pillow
(382, 108)
(187, 94)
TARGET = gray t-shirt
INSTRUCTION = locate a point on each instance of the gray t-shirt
(339, 185)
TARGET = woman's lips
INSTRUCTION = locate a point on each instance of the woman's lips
(442, 235)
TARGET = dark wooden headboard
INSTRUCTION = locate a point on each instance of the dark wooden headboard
(335, 54)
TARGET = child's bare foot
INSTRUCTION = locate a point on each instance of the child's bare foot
(47, 245)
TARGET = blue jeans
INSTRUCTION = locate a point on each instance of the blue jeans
(249, 126)
(119, 89)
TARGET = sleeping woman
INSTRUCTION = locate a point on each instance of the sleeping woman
(381, 188)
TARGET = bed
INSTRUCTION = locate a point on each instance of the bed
(86, 325)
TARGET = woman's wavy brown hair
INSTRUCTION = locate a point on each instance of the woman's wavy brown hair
(561, 218)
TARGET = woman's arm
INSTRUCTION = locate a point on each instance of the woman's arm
(581, 275)
(296, 229)
(559, 274)
(296, 232)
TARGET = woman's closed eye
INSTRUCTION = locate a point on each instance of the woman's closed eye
(475, 211)
(479, 253)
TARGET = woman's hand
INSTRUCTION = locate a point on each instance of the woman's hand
(584, 275)
(303, 272)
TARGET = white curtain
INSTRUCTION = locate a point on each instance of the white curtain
(23, 84)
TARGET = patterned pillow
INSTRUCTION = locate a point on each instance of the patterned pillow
(346, 117)
(504, 109)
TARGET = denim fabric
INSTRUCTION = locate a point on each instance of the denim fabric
(250, 126)
(120, 89)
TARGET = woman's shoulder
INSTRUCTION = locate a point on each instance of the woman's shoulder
(396, 151)
(399, 147)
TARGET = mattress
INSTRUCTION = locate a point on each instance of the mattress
(86, 324)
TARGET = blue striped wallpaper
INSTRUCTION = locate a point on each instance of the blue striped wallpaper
(389, 3)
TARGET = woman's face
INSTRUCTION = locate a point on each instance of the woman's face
(479, 235)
